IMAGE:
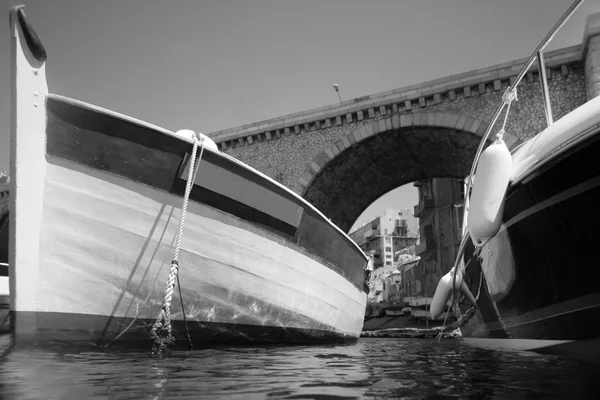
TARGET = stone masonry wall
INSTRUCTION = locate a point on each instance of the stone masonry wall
(285, 158)
(592, 70)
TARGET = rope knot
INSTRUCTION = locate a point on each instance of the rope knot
(161, 335)
(199, 139)
(509, 95)
(500, 134)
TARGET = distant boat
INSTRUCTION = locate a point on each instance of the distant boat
(94, 211)
(536, 280)
(4, 292)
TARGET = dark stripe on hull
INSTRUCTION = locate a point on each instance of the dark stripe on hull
(546, 280)
(86, 328)
(247, 213)
(107, 143)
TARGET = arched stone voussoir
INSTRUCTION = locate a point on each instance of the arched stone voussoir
(445, 120)
(372, 167)
(442, 120)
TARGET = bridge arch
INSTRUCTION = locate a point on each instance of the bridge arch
(383, 154)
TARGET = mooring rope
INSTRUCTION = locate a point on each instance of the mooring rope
(187, 331)
(161, 334)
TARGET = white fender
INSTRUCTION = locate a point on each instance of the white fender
(489, 188)
(189, 134)
(443, 290)
(442, 293)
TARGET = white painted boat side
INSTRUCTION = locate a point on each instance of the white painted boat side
(220, 154)
(97, 229)
(27, 165)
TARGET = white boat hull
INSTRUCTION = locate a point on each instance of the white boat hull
(94, 208)
(105, 251)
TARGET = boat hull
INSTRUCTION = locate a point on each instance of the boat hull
(94, 209)
(105, 251)
(537, 283)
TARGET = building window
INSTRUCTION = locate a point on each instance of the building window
(388, 249)
(388, 263)
(388, 256)
(401, 231)
(388, 240)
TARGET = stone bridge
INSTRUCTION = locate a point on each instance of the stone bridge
(343, 157)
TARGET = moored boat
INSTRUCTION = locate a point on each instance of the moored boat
(536, 281)
(535, 278)
(3, 246)
(96, 230)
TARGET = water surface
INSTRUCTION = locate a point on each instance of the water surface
(372, 368)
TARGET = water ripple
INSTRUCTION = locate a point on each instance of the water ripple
(373, 368)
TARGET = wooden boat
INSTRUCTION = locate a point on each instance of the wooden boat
(94, 209)
(535, 281)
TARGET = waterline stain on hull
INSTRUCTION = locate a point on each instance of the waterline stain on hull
(86, 329)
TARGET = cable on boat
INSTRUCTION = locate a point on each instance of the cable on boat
(187, 331)
(161, 334)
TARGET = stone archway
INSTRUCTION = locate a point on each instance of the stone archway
(382, 155)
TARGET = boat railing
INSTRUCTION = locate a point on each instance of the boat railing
(536, 55)
(507, 98)
(544, 87)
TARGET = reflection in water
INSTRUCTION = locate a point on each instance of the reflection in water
(373, 368)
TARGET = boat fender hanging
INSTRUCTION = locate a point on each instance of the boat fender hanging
(489, 188)
(442, 293)
(443, 290)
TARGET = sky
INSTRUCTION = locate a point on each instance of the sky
(209, 65)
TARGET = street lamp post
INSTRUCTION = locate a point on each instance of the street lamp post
(337, 89)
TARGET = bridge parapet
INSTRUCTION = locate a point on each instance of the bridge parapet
(414, 98)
